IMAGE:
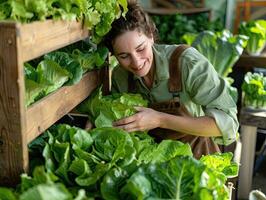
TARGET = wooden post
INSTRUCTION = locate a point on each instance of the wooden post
(248, 134)
(106, 77)
(13, 145)
(250, 120)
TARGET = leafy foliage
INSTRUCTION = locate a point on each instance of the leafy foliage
(178, 178)
(104, 110)
(97, 15)
(42, 186)
(256, 31)
(171, 28)
(62, 67)
(108, 163)
(254, 88)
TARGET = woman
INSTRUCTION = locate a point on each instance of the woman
(188, 100)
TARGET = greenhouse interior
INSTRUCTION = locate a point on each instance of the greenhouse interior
(132, 99)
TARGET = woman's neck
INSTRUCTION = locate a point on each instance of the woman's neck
(149, 78)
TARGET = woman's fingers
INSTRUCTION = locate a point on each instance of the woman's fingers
(129, 127)
(144, 119)
(124, 121)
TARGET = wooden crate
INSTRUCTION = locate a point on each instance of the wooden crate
(20, 125)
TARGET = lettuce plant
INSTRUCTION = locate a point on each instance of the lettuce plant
(254, 89)
(104, 110)
(62, 67)
(42, 185)
(109, 163)
(256, 31)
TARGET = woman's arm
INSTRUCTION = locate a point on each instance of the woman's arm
(199, 126)
(147, 119)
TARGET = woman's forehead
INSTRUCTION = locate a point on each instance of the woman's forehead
(129, 39)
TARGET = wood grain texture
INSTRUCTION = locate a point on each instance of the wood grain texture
(168, 11)
(252, 61)
(18, 125)
(38, 38)
(42, 114)
(13, 147)
(253, 118)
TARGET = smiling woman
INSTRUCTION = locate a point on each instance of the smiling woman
(133, 50)
(188, 101)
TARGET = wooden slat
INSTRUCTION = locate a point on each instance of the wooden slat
(253, 118)
(167, 11)
(48, 110)
(106, 75)
(252, 61)
(253, 3)
(38, 38)
(13, 147)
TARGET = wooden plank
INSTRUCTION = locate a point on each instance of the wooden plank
(38, 38)
(167, 11)
(255, 118)
(252, 61)
(13, 147)
(252, 3)
(48, 110)
(106, 74)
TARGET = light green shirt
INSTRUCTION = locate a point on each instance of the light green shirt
(204, 92)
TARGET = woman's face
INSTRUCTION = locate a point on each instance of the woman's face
(133, 51)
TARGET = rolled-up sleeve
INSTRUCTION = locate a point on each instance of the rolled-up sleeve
(206, 88)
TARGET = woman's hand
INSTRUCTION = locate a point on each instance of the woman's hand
(144, 119)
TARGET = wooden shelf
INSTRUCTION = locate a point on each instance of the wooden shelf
(251, 117)
(39, 117)
(20, 125)
(252, 61)
(38, 38)
(171, 11)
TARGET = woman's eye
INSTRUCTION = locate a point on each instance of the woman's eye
(123, 56)
(141, 49)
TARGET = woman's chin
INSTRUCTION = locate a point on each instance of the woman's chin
(142, 72)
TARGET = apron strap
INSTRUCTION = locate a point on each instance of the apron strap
(175, 80)
(131, 83)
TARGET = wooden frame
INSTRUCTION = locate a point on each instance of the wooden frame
(169, 8)
(171, 11)
(20, 125)
(249, 61)
(171, 4)
(245, 7)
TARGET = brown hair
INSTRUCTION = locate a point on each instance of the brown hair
(135, 19)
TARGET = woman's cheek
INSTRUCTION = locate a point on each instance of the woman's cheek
(124, 63)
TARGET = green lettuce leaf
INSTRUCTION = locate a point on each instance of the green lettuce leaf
(256, 31)
(7, 194)
(179, 178)
(221, 164)
(104, 110)
(50, 73)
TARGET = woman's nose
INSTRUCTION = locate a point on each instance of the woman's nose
(136, 61)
